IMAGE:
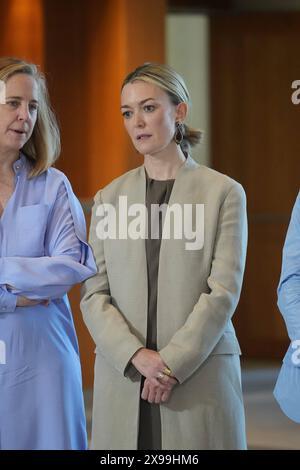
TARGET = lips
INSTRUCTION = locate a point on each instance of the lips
(143, 136)
(18, 131)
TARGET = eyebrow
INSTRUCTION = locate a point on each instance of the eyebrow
(141, 102)
(19, 98)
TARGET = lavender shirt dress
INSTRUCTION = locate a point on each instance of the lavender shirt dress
(43, 254)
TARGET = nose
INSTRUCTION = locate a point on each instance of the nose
(138, 120)
(24, 113)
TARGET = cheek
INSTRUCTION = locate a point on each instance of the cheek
(166, 125)
(5, 119)
(128, 127)
(33, 120)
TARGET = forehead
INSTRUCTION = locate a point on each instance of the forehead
(139, 90)
(22, 85)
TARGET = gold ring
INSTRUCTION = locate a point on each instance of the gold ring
(167, 371)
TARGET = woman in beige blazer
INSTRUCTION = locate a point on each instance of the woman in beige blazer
(170, 241)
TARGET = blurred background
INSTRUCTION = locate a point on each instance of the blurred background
(239, 59)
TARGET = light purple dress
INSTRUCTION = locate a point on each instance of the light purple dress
(43, 254)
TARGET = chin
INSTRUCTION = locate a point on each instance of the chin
(149, 150)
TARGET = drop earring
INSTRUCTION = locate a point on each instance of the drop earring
(179, 130)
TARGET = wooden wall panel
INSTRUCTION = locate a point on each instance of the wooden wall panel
(122, 35)
(65, 68)
(88, 53)
(22, 29)
(255, 139)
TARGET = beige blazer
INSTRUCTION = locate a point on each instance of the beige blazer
(198, 291)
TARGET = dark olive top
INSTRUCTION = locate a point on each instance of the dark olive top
(157, 192)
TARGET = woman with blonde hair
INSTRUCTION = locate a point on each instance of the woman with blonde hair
(43, 253)
(167, 371)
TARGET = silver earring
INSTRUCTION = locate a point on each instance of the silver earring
(179, 130)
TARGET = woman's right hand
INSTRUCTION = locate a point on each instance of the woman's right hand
(25, 302)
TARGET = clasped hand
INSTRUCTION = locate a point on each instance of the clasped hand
(157, 386)
(25, 302)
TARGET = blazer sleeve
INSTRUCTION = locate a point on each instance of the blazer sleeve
(68, 259)
(205, 325)
(289, 284)
(106, 324)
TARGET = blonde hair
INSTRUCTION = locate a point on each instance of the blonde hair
(43, 147)
(166, 78)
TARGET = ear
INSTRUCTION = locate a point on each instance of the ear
(181, 112)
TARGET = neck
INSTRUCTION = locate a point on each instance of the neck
(164, 165)
(7, 159)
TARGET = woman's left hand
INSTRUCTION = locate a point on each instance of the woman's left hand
(158, 393)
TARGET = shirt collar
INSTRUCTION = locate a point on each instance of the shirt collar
(20, 164)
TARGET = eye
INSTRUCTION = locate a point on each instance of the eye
(13, 103)
(127, 114)
(149, 108)
(33, 107)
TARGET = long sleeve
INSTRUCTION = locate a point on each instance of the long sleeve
(67, 259)
(106, 324)
(289, 284)
(205, 325)
(8, 301)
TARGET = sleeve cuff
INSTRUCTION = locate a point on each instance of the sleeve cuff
(130, 371)
(8, 302)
